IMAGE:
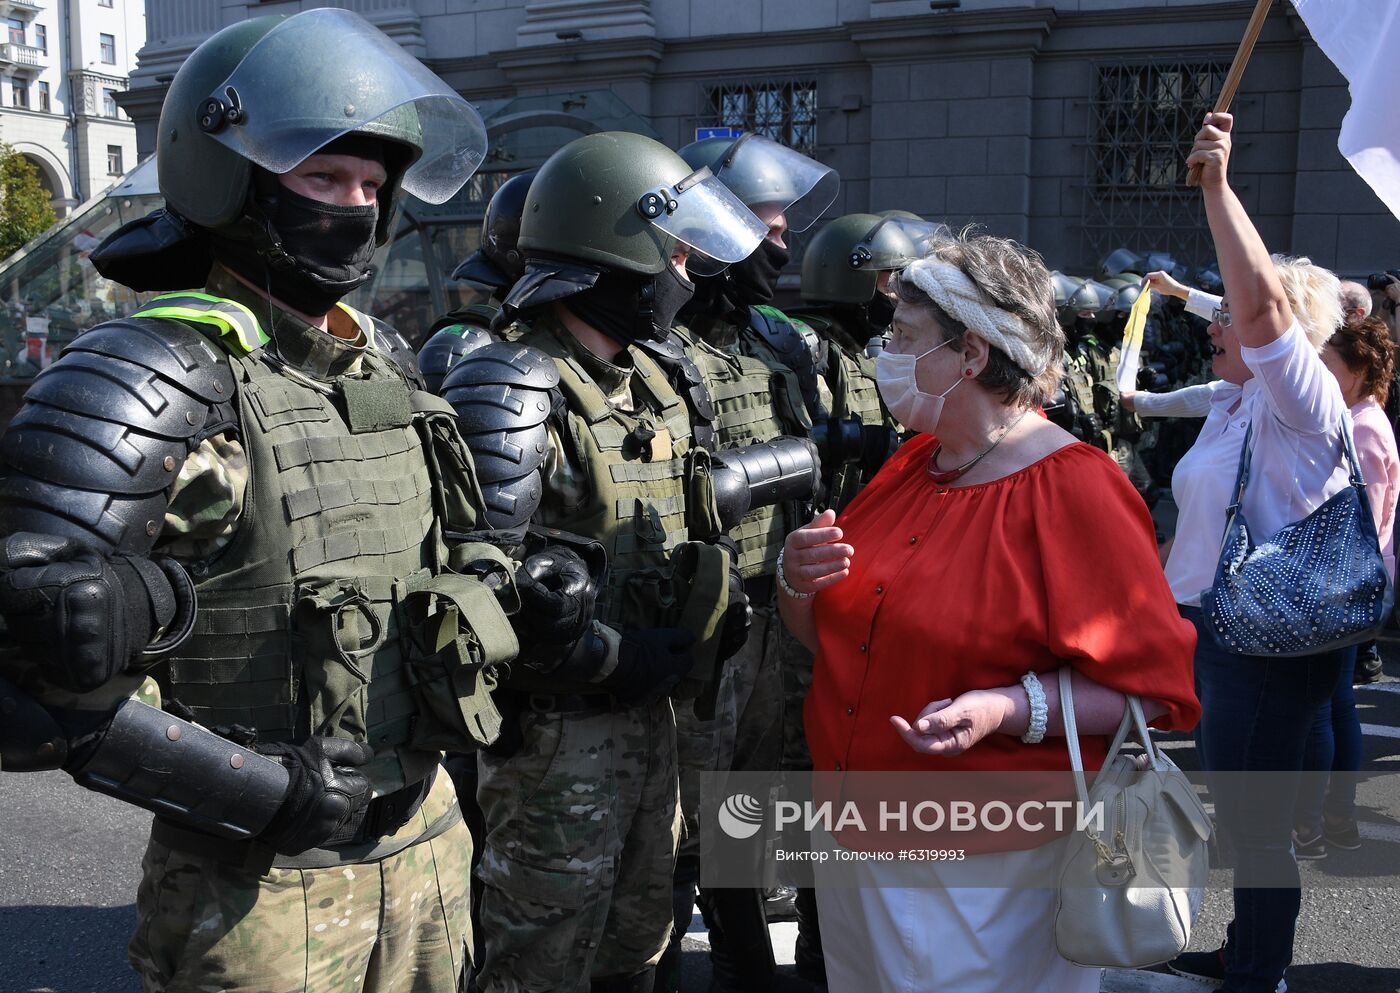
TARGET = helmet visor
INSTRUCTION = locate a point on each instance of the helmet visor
(761, 171)
(895, 242)
(325, 73)
(702, 212)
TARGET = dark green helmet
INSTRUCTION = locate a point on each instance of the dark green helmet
(761, 172)
(1125, 297)
(844, 260)
(620, 201)
(273, 90)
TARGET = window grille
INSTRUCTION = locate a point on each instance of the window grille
(1143, 118)
(785, 111)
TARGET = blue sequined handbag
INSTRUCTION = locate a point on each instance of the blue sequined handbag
(1317, 585)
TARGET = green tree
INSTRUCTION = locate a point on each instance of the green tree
(25, 210)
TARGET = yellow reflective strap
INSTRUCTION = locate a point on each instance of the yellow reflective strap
(229, 316)
(365, 322)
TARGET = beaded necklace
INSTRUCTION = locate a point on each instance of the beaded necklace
(942, 476)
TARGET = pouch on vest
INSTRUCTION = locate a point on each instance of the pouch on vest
(700, 580)
(456, 493)
(341, 625)
(457, 636)
(701, 508)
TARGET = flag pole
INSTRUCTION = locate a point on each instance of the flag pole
(1236, 73)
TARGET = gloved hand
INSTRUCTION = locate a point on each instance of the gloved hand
(325, 791)
(650, 664)
(738, 616)
(89, 614)
(557, 595)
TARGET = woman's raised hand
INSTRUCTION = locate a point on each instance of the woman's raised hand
(1164, 283)
(1212, 149)
(814, 557)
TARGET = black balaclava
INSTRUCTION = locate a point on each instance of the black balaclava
(880, 312)
(741, 286)
(627, 307)
(309, 254)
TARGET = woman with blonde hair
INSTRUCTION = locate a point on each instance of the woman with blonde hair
(990, 552)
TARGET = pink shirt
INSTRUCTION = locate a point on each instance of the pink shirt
(1380, 464)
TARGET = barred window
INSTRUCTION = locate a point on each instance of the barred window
(785, 111)
(1143, 118)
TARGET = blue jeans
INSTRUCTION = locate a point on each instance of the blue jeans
(1256, 713)
(1334, 745)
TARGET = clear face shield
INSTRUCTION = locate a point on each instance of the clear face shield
(762, 171)
(895, 242)
(703, 214)
(324, 73)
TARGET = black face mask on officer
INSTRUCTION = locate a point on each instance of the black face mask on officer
(627, 308)
(326, 250)
(755, 279)
(880, 311)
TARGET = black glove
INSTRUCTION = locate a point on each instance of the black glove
(650, 664)
(556, 602)
(90, 615)
(738, 616)
(325, 791)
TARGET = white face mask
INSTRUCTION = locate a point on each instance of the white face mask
(895, 375)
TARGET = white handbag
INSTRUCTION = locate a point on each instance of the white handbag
(1130, 885)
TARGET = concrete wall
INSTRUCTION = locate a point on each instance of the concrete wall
(980, 114)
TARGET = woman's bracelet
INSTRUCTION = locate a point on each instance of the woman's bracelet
(783, 583)
(1040, 711)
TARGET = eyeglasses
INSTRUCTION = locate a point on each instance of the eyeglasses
(1221, 317)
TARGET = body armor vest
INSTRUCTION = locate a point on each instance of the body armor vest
(300, 629)
(752, 403)
(637, 498)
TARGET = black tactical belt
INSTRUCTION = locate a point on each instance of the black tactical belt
(358, 841)
(569, 703)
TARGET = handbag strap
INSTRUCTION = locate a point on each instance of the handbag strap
(1133, 719)
(1358, 480)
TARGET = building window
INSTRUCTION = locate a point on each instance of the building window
(114, 160)
(41, 38)
(21, 92)
(45, 105)
(1143, 118)
(784, 111)
(104, 3)
(16, 31)
(109, 49)
(109, 103)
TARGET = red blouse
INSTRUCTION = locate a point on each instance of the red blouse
(960, 588)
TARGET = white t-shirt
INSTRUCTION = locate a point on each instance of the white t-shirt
(1296, 407)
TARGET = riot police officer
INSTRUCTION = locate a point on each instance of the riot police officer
(492, 270)
(239, 492)
(582, 820)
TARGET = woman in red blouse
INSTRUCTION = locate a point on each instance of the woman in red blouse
(990, 547)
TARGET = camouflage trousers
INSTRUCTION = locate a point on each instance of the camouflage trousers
(582, 824)
(398, 925)
(758, 712)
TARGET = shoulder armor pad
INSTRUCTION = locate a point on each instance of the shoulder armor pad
(503, 394)
(446, 347)
(396, 347)
(105, 430)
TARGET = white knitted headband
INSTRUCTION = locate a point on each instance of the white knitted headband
(964, 301)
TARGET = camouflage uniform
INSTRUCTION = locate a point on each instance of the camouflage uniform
(399, 920)
(583, 821)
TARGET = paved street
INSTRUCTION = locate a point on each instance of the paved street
(69, 863)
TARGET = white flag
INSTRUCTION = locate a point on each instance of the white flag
(1362, 38)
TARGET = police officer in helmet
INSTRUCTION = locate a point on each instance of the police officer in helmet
(239, 492)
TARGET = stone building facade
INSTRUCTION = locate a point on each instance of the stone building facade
(1062, 123)
(62, 64)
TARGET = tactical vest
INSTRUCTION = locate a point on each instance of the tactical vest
(1086, 424)
(752, 403)
(300, 624)
(638, 503)
(851, 377)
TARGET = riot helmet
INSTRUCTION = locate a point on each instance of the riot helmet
(1119, 261)
(255, 101)
(1090, 306)
(844, 259)
(1124, 299)
(762, 172)
(498, 263)
(1209, 280)
(1065, 288)
(602, 219)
